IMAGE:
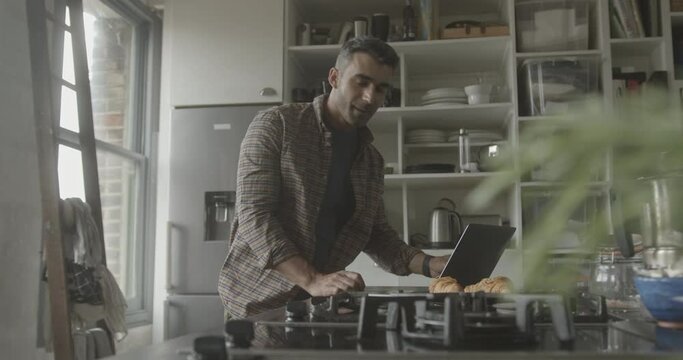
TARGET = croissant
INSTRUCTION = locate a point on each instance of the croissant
(496, 285)
(446, 284)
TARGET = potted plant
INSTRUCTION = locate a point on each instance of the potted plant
(639, 136)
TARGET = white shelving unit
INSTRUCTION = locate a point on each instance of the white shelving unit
(456, 63)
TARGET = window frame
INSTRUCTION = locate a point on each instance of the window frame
(143, 106)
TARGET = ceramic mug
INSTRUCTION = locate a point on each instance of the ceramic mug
(360, 26)
(380, 26)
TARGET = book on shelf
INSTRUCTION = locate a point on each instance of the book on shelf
(649, 10)
(634, 8)
(626, 11)
(616, 28)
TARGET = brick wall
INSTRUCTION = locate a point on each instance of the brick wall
(109, 87)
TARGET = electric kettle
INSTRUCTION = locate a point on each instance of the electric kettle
(446, 225)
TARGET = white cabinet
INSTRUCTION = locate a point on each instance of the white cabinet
(224, 52)
(496, 60)
(424, 65)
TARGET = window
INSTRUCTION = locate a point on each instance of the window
(114, 54)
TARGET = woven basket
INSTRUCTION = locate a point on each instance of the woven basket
(676, 5)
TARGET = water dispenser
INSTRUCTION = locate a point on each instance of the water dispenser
(219, 211)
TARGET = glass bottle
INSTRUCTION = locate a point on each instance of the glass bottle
(464, 151)
(409, 23)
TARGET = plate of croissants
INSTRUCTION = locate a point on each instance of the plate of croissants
(493, 285)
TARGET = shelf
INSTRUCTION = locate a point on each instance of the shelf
(442, 252)
(335, 11)
(558, 54)
(559, 121)
(435, 56)
(544, 184)
(486, 116)
(562, 252)
(552, 185)
(454, 55)
(635, 47)
(677, 18)
(447, 145)
(417, 181)
(537, 119)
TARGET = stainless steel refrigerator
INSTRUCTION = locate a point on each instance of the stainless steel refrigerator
(205, 145)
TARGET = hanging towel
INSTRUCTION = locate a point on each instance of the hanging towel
(87, 248)
(114, 303)
(88, 251)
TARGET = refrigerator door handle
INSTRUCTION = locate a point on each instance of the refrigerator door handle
(169, 257)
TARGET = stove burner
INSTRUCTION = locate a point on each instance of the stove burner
(296, 311)
(464, 320)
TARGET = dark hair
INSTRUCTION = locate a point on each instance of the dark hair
(378, 49)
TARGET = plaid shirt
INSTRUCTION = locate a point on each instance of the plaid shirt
(281, 182)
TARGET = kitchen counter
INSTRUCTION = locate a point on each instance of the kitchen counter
(181, 349)
(632, 338)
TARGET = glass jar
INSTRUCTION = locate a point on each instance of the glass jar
(612, 277)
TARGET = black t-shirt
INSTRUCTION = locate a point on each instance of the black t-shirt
(338, 204)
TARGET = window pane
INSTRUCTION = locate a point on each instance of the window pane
(70, 173)
(68, 113)
(121, 197)
(67, 17)
(109, 43)
(68, 60)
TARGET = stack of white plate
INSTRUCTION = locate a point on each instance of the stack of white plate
(444, 96)
(479, 136)
(421, 136)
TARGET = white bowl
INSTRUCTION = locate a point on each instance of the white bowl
(478, 99)
(479, 89)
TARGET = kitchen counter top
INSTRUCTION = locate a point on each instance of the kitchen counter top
(632, 338)
(181, 349)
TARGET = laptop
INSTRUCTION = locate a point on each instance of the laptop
(477, 252)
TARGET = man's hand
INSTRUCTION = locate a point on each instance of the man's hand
(334, 283)
(299, 271)
(437, 264)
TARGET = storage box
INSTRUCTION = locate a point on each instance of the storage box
(676, 5)
(475, 31)
(572, 234)
(552, 25)
(558, 85)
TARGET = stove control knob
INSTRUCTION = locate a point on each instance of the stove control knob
(239, 333)
(296, 310)
(210, 347)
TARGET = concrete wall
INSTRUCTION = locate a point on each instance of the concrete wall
(20, 207)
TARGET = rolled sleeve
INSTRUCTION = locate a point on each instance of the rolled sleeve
(386, 248)
(258, 191)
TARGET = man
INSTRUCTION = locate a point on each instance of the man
(309, 194)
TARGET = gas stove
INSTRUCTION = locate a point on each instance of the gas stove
(416, 322)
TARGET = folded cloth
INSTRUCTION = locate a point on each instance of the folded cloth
(87, 249)
(114, 303)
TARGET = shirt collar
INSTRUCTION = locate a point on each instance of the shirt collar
(365, 136)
